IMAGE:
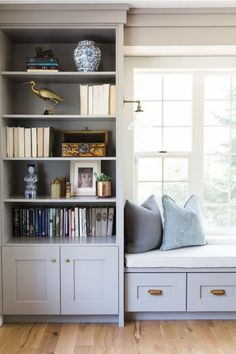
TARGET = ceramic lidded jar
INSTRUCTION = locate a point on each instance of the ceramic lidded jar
(87, 56)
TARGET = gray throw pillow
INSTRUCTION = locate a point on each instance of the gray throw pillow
(143, 226)
(182, 225)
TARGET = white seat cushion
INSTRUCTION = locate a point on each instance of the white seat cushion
(218, 253)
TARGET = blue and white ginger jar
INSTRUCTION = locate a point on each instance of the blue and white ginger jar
(87, 56)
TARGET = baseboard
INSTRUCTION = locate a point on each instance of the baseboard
(60, 318)
(180, 316)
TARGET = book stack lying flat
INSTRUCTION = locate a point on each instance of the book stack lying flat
(38, 63)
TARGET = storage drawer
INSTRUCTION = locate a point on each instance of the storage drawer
(211, 292)
(155, 292)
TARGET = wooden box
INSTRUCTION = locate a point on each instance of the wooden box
(85, 143)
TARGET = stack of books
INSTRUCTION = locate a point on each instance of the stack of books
(98, 99)
(40, 63)
(29, 142)
(62, 222)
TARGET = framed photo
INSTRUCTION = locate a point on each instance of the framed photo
(82, 178)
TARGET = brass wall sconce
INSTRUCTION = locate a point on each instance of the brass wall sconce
(134, 121)
(139, 108)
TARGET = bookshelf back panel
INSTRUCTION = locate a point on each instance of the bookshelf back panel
(66, 125)
(64, 52)
(46, 171)
(26, 102)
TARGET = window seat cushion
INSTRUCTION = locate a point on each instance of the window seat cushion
(220, 252)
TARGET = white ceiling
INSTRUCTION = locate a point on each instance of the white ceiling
(137, 3)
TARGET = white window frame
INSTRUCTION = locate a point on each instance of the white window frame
(199, 67)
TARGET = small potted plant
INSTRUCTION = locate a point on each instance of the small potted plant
(103, 185)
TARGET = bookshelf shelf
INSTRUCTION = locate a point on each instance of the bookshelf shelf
(72, 200)
(60, 77)
(112, 158)
(60, 241)
(57, 117)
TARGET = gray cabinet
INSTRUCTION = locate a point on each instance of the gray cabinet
(31, 280)
(37, 280)
(89, 280)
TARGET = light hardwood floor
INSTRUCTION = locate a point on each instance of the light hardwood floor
(138, 337)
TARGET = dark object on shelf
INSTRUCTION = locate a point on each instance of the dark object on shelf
(85, 143)
(46, 95)
(47, 53)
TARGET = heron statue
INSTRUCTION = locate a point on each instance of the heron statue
(46, 95)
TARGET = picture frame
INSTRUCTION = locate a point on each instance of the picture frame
(82, 177)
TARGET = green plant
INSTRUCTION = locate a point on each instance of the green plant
(102, 177)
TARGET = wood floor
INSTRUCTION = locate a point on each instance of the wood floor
(138, 337)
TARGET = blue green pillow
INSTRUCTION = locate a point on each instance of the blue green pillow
(182, 225)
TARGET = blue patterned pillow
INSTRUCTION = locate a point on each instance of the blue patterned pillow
(182, 225)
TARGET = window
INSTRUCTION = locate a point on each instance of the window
(186, 140)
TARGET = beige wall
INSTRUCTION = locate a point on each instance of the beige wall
(202, 27)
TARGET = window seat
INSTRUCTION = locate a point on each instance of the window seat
(220, 252)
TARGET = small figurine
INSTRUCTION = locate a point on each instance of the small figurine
(47, 53)
(31, 179)
(46, 95)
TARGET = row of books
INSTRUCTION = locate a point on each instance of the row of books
(38, 63)
(98, 99)
(62, 222)
(29, 142)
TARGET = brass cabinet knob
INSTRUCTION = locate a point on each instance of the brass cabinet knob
(53, 260)
(155, 292)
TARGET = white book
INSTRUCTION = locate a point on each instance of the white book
(97, 99)
(16, 141)
(93, 221)
(76, 222)
(105, 100)
(81, 222)
(40, 141)
(112, 100)
(90, 99)
(73, 223)
(21, 132)
(104, 221)
(34, 141)
(27, 142)
(110, 219)
(98, 221)
(48, 138)
(83, 100)
(10, 142)
(84, 227)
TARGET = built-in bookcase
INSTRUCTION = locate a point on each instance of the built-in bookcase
(21, 108)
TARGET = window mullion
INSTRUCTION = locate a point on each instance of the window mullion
(196, 160)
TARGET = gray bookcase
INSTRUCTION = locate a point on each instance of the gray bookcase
(32, 265)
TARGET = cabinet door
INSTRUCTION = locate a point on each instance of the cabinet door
(31, 280)
(89, 280)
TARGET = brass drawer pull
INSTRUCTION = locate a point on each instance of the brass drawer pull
(155, 292)
(67, 260)
(218, 292)
(53, 260)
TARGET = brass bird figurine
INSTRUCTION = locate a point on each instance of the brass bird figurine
(46, 95)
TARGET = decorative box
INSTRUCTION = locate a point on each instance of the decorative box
(85, 143)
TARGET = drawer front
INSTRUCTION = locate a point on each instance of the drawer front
(155, 292)
(211, 292)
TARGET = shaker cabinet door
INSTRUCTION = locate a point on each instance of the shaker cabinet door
(31, 280)
(89, 280)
